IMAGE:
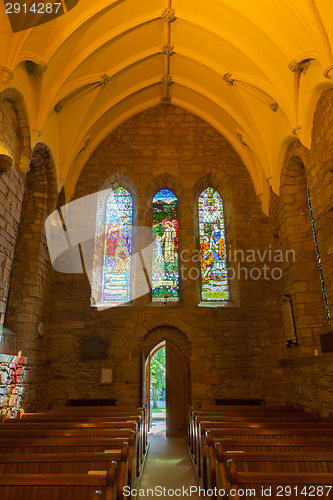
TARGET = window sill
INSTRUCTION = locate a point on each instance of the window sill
(165, 304)
(225, 303)
(105, 305)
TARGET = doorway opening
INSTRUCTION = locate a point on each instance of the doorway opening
(158, 389)
(166, 389)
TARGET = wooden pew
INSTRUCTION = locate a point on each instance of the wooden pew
(278, 484)
(80, 432)
(259, 446)
(242, 414)
(296, 462)
(248, 414)
(59, 486)
(104, 429)
(72, 445)
(60, 425)
(69, 463)
(114, 423)
(210, 437)
(209, 426)
(113, 430)
(256, 422)
(242, 411)
(116, 430)
(88, 414)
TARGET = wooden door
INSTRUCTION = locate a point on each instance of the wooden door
(177, 387)
(146, 389)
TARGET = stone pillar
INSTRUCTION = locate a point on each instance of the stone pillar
(31, 283)
(189, 263)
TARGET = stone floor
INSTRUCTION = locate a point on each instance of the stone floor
(168, 466)
(158, 427)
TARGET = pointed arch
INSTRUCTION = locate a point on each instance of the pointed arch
(116, 279)
(214, 275)
(111, 277)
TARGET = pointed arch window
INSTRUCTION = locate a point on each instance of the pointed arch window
(165, 272)
(214, 275)
(116, 277)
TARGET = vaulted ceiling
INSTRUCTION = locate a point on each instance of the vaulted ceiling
(252, 69)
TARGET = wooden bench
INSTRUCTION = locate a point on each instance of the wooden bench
(210, 437)
(276, 484)
(296, 462)
(259, 446)
(241, 414)
(59, 486)
(255, 422)
(115, 423)
(69, 463)
(81, 431)
(87, 414)
(112, 430)
(72, 445)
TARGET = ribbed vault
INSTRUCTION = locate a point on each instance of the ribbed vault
(254, 70)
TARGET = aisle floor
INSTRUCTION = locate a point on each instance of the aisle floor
(168, 466)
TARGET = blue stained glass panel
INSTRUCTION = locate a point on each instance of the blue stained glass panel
(116, 282)
(165, 277)
(214, 275)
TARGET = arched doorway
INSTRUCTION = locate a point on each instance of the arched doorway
(177, 376)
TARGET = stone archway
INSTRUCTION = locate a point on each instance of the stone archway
(177, 375)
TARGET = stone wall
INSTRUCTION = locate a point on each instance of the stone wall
(308, 376)
(30, 292)
(11, 197)
(25, 272)
(320, 177)
(290, 216)
(21, 384)
(29, 299)
(310, 382)
(233, 350)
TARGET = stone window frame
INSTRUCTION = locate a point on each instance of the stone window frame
(225, 193)
(113, 182)
(164, 181)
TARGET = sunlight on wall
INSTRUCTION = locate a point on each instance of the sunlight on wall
(12, 383)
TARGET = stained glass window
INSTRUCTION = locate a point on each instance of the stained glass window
(323, 289)
(165, 277)
(116, 281)
(214, 276)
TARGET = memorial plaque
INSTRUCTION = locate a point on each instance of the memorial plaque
(94, 348)
(326, 340)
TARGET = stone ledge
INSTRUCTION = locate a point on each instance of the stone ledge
(166, 304)
(226, 303)
(322, 359)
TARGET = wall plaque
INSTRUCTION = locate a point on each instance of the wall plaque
(288, 320)
(94, 348)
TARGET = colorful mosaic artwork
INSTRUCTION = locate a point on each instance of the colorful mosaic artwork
(117, 249)
(214, 277)
(165, 278)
